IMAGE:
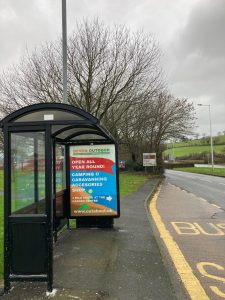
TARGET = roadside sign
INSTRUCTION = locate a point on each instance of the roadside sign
(93, 182)
(149, 159)
(172, 157)
(122, 164)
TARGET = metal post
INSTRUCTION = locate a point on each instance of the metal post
(49, 204)
(173, 152)
(211, 140)
(64, 50)
(67, 203)
(36, 170)
(7, 207)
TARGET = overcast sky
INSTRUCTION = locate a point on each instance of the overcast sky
(191, 35)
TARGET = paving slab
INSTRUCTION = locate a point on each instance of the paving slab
(123, 263)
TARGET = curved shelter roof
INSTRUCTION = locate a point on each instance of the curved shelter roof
(69, 124)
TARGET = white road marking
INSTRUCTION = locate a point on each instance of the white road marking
(202, 199)
(216, 206)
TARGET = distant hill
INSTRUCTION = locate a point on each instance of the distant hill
(188, 150)
(198, 146)
(204, 141)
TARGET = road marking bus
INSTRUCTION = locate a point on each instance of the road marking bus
(190, 281)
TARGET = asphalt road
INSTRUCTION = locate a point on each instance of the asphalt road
(210, 188)
(193, 232)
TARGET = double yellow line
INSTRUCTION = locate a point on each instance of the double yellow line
(191, 283)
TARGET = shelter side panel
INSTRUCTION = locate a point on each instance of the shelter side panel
(93, 181)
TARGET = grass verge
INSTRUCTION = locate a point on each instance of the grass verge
(130, 183)
(206, 171)
(1, 237)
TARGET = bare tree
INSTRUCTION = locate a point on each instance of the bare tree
(160, 119)
(112, 73)
(107, 68)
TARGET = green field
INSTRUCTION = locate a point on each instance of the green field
(217, 140)
(129, 183)
(206, 171)
(1, 237)
(185, 151)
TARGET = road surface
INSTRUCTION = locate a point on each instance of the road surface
(189, 214)
(211, 188)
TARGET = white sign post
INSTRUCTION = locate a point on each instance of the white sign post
(149, 159)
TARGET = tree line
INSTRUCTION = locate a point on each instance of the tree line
(114, 74)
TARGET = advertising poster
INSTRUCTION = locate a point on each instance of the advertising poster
(93, 190)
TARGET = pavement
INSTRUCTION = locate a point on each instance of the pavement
(123, 263)
(209, 166)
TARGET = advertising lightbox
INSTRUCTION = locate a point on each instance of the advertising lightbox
(93, 182)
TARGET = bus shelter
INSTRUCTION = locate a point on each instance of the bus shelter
(59, 163)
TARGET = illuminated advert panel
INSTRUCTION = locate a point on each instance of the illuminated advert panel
(93, 188)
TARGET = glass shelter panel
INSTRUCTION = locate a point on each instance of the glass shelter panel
(28, 173)
(60, 180)
(88, 137)
(60, 167)
(48, 115)
(41, 167)
(67, 133)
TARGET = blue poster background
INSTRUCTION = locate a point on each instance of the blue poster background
(106, 191)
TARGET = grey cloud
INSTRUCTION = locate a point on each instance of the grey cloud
(204, 33)
(217, 116)
(189, 32)
(197, 60)
(25, 23)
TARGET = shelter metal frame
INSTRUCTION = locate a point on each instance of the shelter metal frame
(41, 118)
